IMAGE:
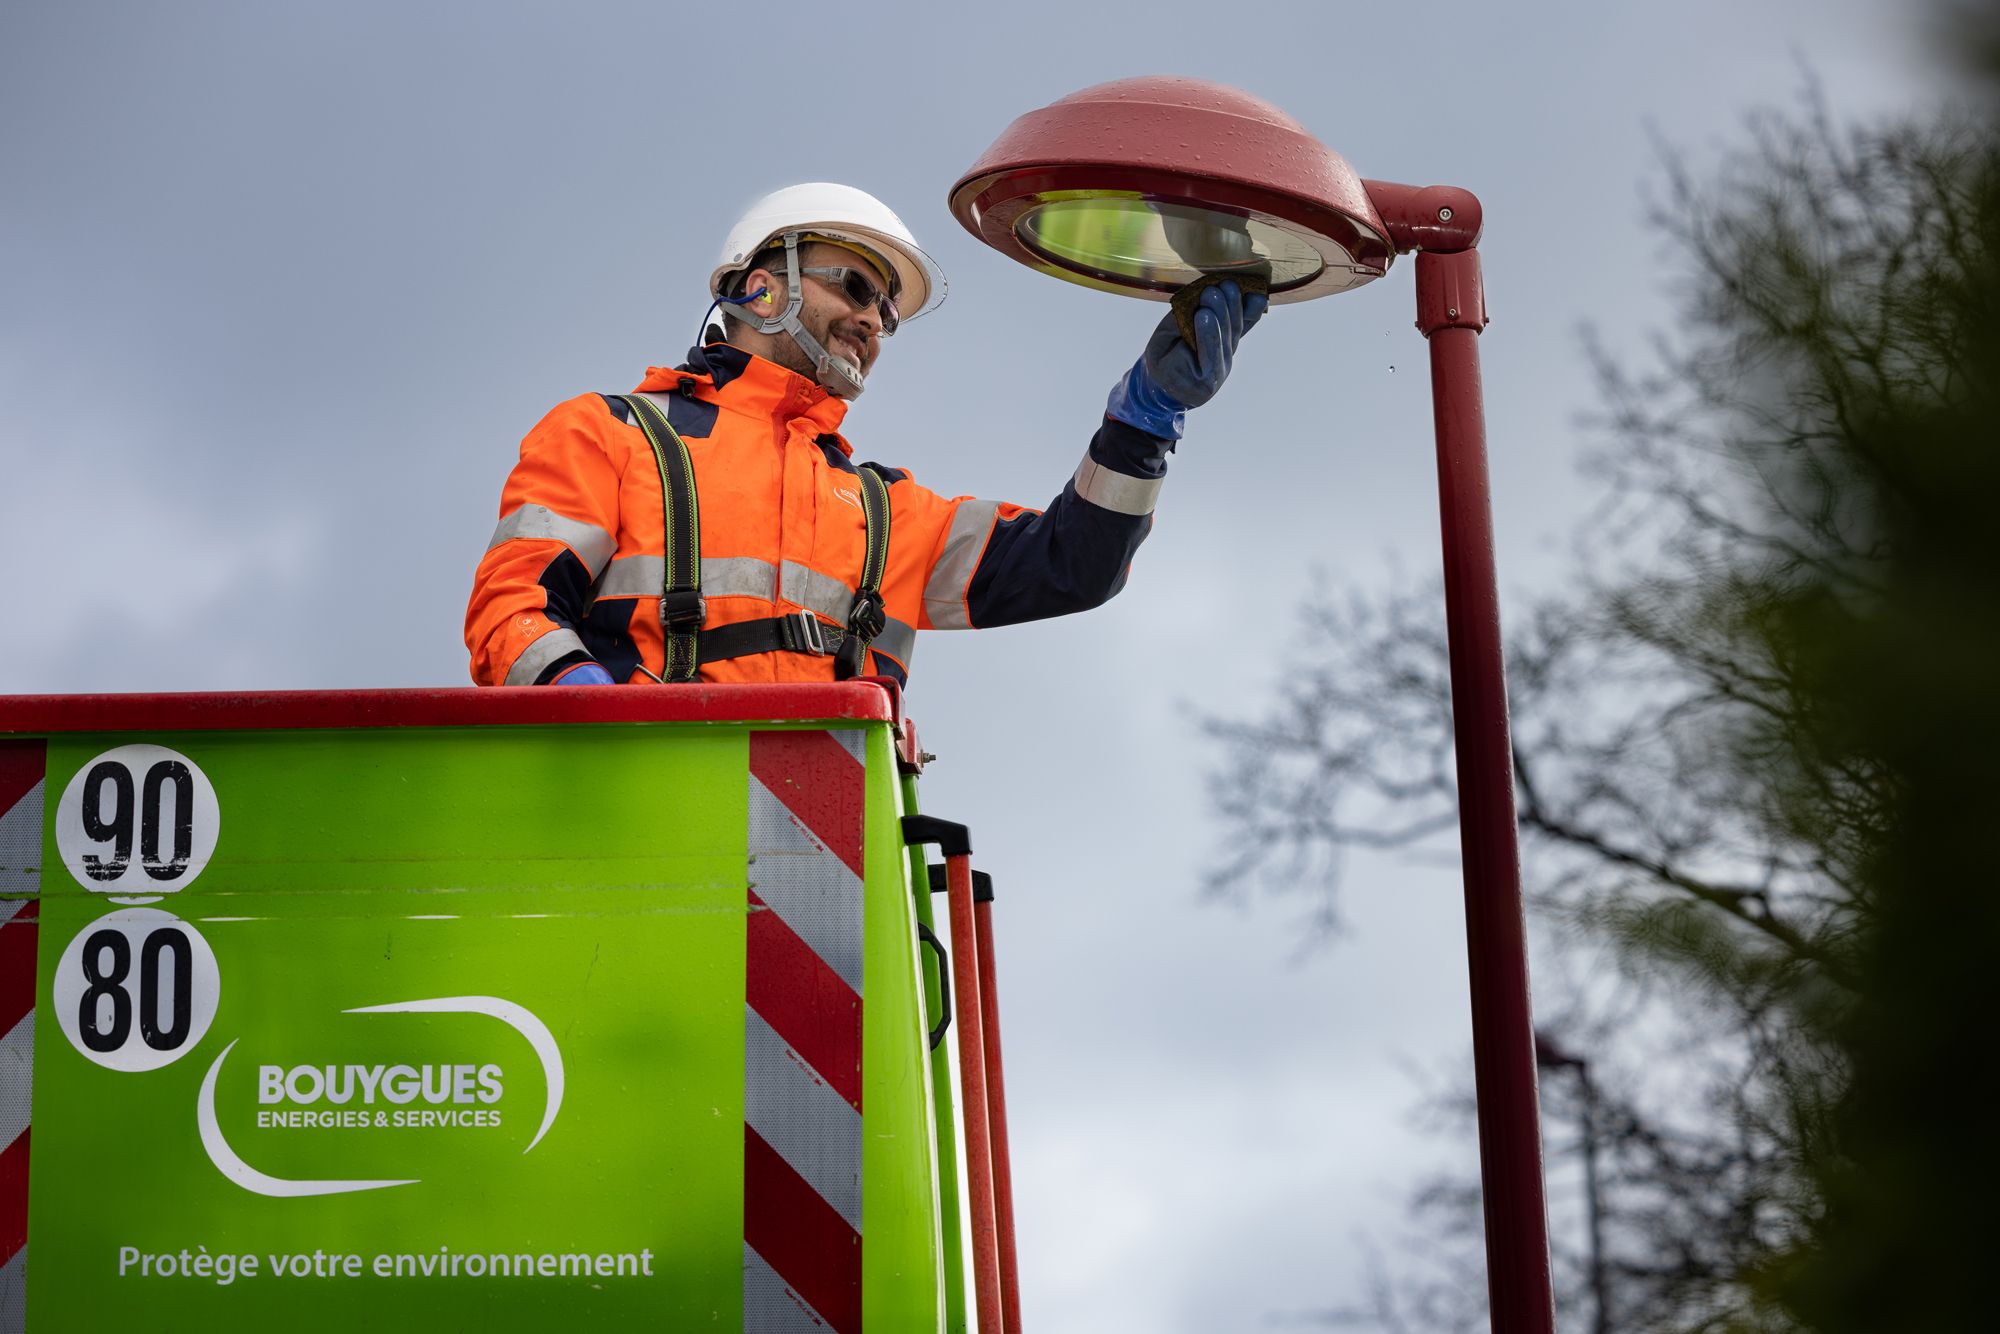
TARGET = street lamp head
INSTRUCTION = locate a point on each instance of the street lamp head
(1141, 186)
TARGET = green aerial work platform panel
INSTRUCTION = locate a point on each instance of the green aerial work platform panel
(510, 1009)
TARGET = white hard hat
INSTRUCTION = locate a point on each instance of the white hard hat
(840, 213)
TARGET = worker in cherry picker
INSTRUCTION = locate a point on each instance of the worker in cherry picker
(714, 524)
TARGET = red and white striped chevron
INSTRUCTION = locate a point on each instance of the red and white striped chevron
(21, 805)
(802, 1034)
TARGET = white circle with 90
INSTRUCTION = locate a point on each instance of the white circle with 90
(137, 822)
(136, 989)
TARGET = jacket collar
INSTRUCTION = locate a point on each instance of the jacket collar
(727, 375)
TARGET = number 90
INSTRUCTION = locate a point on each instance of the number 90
(117, 830)
(138, 820)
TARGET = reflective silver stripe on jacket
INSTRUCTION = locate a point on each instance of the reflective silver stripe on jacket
(746, 576)
(736, 576)
(898, 639)
(592, 545)
(1115, 491)
(944, 595)
(730, 576)
(541, 653)
(815, 591)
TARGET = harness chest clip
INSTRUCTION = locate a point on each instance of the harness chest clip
(867, 617)
(683, 610)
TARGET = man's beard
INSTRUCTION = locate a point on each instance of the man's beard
(791, 356)
(794, 358)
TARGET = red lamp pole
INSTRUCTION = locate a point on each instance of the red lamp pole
(1442, 224)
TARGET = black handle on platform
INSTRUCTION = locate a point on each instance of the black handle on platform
(929, 938)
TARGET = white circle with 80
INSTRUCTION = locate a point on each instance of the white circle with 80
(136, 989)
(137, 822)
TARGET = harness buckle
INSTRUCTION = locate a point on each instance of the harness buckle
(807, 634)
(683, 610)
(868, 618)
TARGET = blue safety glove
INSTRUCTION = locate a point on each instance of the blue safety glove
(1172, 377)
(584, 673)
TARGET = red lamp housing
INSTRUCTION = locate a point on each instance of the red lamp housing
(1142, 185)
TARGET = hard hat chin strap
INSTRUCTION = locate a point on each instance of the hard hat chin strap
(837, 375)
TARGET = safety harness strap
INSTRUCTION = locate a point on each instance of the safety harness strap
(866, 618)
(682, 610)
(797, 632)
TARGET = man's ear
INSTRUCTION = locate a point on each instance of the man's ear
(773, 286)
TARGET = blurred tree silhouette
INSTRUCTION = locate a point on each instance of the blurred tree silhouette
(1755, 753)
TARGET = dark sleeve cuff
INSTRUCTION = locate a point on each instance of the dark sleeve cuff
(1123, 447)
(559, 666)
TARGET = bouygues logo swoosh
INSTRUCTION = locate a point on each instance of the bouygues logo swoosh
(519, 1018)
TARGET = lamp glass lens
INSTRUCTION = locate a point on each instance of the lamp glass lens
(1161, 244)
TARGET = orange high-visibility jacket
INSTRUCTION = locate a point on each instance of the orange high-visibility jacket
(574, 570)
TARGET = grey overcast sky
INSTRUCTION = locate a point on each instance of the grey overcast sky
(282, 286)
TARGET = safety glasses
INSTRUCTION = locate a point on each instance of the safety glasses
(861, 292)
